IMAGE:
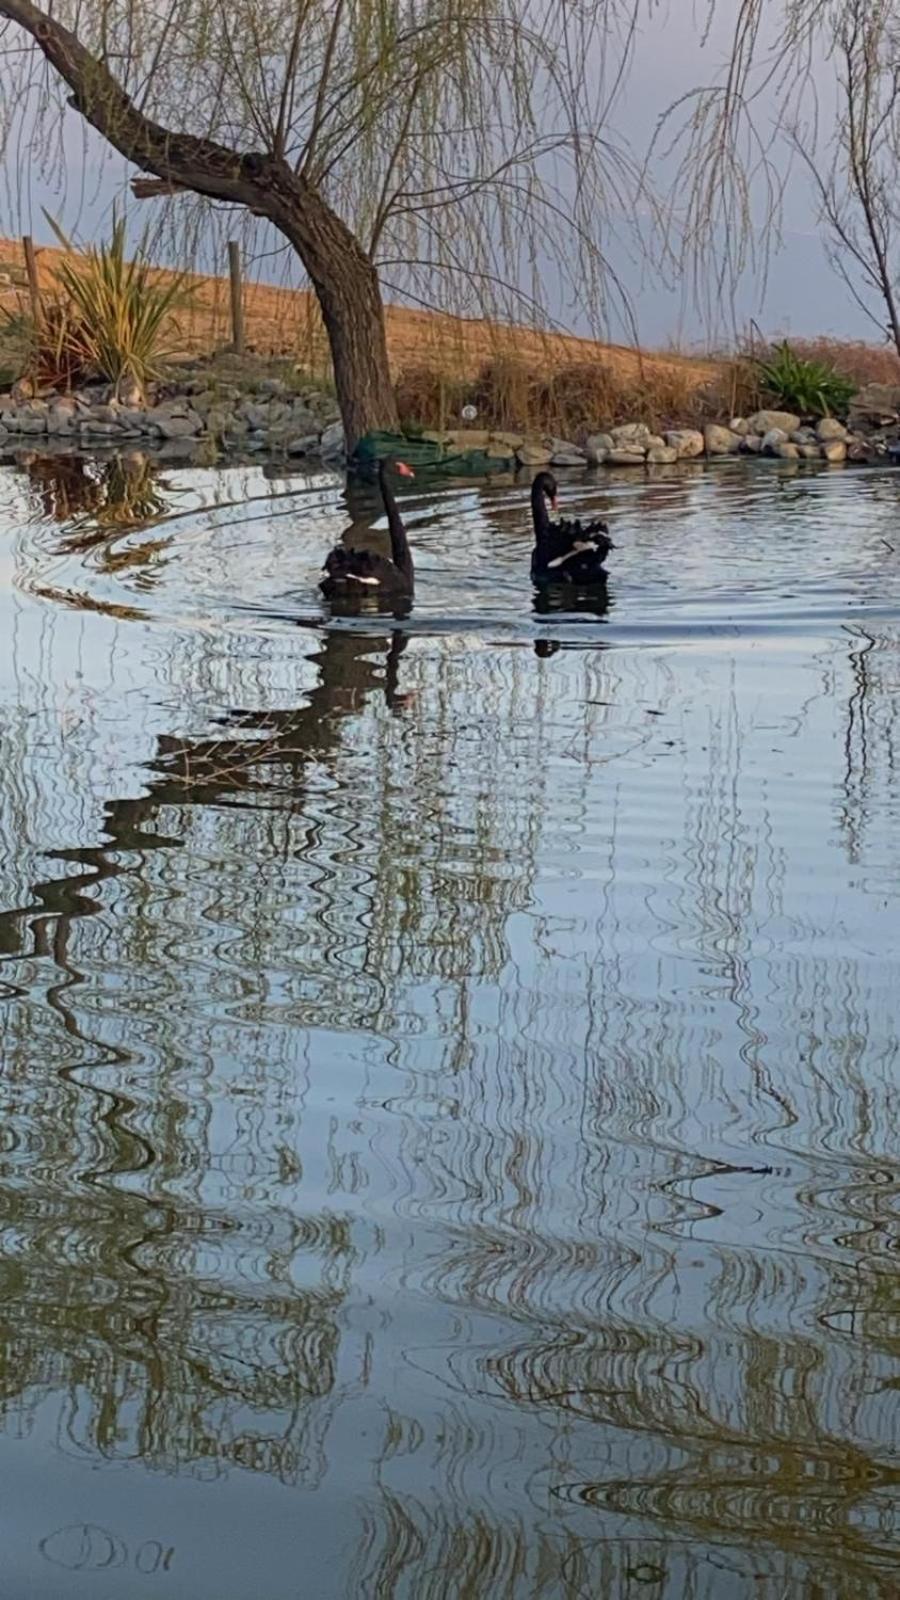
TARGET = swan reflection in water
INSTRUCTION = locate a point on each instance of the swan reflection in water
(564, 602)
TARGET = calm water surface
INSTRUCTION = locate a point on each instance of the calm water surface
(449, 1138)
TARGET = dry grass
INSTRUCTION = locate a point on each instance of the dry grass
(852, 358)
(286, 322)
(580, 397)
(516, 377)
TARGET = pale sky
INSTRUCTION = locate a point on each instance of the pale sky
(801, 295)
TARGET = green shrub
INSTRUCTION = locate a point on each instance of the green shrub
(812, 388)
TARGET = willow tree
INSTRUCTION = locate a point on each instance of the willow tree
(438, 139)
(857, 179)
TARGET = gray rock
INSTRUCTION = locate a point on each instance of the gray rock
(751, 444)
(834, 450)
(656, 442)
(829, 428)
(772, 439)
(99, 430)
(281, 418)
(787, 451)
(687, 441)
(626, 458)
(630, 436)
(61, 420)
(220, 421)
(272, 386)
(765, 421)
(804, 436)
(302, 419)
(24, 424)
(597, 447)
(175, 427)
(809, 452)
(204, 402)
(331, 443)
(255, 416)
(661, 455)
(307, 445)
(133, 417)
(532, 454)
(567, 455)
(104, 413)
(720, 441)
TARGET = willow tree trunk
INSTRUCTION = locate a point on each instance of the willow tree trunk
(349, 295)
(342, 275)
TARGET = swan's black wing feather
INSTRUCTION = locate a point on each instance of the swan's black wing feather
(560, 560)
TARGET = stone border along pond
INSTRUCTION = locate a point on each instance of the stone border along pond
(266, 414)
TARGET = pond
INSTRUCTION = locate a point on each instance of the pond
(449, 1096)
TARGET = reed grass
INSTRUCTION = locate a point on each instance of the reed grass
(107, 317)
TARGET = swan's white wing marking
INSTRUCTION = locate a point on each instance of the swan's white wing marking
(356, 578)
(576, 550)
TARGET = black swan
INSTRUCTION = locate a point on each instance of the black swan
(565, 552)
(355, 573)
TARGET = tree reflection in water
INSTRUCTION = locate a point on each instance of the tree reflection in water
(439, 1061)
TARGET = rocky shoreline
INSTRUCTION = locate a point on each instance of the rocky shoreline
(270, 416)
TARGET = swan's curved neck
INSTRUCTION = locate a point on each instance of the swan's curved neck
(401, 555)
(539, 513)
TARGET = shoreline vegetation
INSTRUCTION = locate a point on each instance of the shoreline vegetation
(511, 395)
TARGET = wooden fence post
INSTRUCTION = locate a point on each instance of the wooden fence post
(237, 297)
(34, 287)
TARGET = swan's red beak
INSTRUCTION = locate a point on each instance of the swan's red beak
(404, 470)
(553, 502)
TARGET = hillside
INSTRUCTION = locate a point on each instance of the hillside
(285, 321)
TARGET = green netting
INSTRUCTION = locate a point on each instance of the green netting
(426, 455)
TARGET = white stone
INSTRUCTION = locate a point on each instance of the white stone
(532, 454)
(625, 458)
(661, 455)
(597, 447)
(567, 455)
(829, 428)
(630, 436)
(308, 445)
(765, 421)
(687, 441)
(720, 441)
(834, 450)
(739, 425)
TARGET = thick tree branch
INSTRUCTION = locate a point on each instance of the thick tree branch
(202, 165)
